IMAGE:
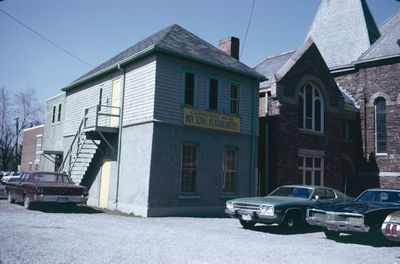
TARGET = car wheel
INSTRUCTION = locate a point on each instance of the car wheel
(247, 224)
(27, 202)
(291, 221)
(331, 234)
(9, 198)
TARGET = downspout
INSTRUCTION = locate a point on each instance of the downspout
(253, 131)
(266, 143)
(121, 117)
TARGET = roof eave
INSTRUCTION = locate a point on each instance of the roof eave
(134, 57)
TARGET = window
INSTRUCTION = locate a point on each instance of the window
(310, 170)
(380, 125)
(100, 98)
(311, 110)
(234, 101)
(213, 94)
(38, 148)
(189, 88)
(59, 112)
(347, 131)
(189, 168)
(53, 117)
(324, 194)
(229, 171)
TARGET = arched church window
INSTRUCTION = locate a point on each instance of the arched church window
(380, 124)
(311, 108)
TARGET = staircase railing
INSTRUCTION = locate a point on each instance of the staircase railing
(94, 117)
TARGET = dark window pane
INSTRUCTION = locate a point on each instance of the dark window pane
(189, 168)
(301, 112)
(234, 105)
(189, 88)
(309, 101)
(308, 178)
(317, 178)
(300, 175)
(59, 113)
(317, 162)
(229, 171)
(309, 162)
(213, 103)
(301, 161)
(380, 124)
(53, 118)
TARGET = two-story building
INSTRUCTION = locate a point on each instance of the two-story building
(167, 127)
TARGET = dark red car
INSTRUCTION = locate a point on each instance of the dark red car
(53, 187)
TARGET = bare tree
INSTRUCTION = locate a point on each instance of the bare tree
(22, 105)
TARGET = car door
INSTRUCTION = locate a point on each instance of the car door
(19, 187)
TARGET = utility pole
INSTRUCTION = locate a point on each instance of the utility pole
(16, 145)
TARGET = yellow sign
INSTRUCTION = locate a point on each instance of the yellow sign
(211, 120)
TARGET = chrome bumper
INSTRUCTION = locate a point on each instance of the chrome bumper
(255, 216)
(60, 198)
(338, 226)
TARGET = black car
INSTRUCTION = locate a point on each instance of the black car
(365, 215)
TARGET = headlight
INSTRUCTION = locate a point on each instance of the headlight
(267, 209)
(230, 206)
(85, 192)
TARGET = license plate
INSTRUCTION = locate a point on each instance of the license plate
(246, 217)
(62, 199)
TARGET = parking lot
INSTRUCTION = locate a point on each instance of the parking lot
(86, 235)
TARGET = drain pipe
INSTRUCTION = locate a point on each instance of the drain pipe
(121, 118)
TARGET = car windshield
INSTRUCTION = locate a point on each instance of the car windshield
(298, 192)
(380, 196)
(51, 177)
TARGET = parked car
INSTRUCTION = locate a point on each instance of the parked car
(365, 215)
(286, 205)
(34, 187)
(8, 175)
(391, 227)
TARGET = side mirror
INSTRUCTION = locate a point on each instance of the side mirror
(316, 198)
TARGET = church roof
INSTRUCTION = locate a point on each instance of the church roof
(343, 30)
(387, 45)
(177, 41)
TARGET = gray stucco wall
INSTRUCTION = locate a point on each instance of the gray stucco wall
(136, 151)
(164, 195)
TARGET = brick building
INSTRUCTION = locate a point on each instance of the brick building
(303, 115)
(32, 148)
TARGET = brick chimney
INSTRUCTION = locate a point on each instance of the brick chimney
(230, 45)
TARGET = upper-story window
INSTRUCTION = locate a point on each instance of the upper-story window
(234, 99)
(59, 112)
(311, 108)
(380, 124)
(213, 94)
(189, 88)
(53, 115)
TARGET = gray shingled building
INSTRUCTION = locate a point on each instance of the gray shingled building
(167, 127)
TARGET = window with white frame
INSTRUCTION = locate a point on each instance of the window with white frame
(189, 168)
(59, 112)
(229, 170)
(311, 108)
(53, 116)
(311, 170)
(380, 125)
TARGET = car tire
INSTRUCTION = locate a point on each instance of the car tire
(27, 202)
(9, 198)
(247, 224)
(291, 221)
(331, 234)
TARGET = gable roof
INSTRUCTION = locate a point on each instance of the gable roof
(386, 46)
(176, 41)
(343, 30)
(271, 65)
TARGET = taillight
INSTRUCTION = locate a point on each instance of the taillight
(394, 230)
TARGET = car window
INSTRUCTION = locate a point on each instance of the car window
(324, 194)
(380, 196)
(52, 177)
(298, 192)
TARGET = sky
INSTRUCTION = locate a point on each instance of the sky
(96, 30)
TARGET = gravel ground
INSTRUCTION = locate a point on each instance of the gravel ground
(84, 235)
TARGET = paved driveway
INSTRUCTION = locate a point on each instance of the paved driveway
(84, 235)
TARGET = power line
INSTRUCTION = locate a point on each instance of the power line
(248, 26)
(46, 39)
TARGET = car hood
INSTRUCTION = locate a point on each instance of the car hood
(273, 200)
(358, 207)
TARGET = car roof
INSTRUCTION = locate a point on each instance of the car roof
(383, 189)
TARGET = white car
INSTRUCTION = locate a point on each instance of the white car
(11, 177)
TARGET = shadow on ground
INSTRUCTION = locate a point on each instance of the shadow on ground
(279, 230)
(65, 209)
(365, 240)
